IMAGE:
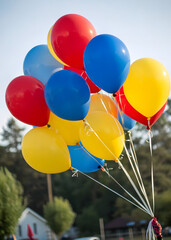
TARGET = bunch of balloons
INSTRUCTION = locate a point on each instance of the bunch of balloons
(75, 123)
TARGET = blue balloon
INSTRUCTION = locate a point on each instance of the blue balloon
(107, 62)
(39, 63)
(68, 95)
(83, 160)
(126, 122)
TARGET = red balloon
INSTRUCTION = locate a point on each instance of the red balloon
(134, 114)
(92, 86)
(25, 100)
(69, 37)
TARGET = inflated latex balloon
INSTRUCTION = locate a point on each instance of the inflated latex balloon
(40, 64)
(83, 161)
(25, 100)
(102, 102)
(147, 86)
(107, 62)
(51, 49)
(126, 122)
(69, 37)
(82, 73)
(45, 151)
(69, 130)
(132, 113)
(67, 95)
(102, 135)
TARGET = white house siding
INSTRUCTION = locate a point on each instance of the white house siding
(43, 231)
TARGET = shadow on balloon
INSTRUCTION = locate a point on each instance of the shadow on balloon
(83, 161)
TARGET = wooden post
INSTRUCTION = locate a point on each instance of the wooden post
(143, 233)
(49, 184)
(102, 232)
(131, 236)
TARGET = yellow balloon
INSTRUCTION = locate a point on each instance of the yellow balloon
(68, 129)
(51, 49)
(102, 135)
(45, 151)
(102, 102)
(147, 86)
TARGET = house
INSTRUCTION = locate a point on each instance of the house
(123, 227)
(38, 225)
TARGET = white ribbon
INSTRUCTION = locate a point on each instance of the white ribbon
(150, 231)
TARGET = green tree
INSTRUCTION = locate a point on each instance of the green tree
(33, 182)
(59, 215)
(12, 136)
(11, 205)
(91, 225)
(164, 210)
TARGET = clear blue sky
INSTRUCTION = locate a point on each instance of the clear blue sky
(143, 25)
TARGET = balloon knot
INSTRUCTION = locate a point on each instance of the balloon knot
(148, 127)
(157, 228)
(103, 170)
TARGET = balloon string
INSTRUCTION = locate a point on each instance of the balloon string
(142, 186)
(114, 179)
(134, 157)
(133, 148)
(103, 103)
(127, 174)
(129, 194)
(118, 108)
(152, 184)
(150, 135)
(134, 186)
(114, 192)
(150, 231)
(139, 183)
(129, 178)
(86, 123)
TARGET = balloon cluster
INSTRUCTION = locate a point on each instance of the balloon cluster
(75, 125)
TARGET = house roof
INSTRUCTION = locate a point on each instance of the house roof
(30, 211)
(126, 222)
(119, 223)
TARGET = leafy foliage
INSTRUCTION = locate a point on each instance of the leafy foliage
(34, 183)
(10, 203)
(59, 215)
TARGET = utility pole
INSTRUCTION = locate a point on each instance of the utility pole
(102, 232)
(49, 185)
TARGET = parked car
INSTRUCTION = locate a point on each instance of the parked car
(87, 238)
